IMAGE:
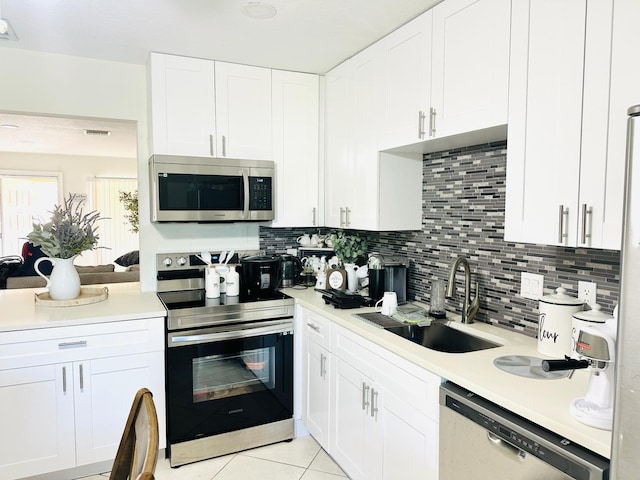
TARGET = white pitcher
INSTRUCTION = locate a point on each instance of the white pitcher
(64, 281)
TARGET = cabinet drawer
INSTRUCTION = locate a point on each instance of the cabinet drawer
(66, 344)
(318, 329)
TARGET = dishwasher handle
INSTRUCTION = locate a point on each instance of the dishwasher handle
(500, 443)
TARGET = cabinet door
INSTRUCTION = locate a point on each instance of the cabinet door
(470, 65)
(295, 148)
(545, 113)
(366, 104)
(318, 375)
(350, 407)
(37, 420)
(104, 389)
(407, 82)
(339, 167)
(243, 111)
(183, 118)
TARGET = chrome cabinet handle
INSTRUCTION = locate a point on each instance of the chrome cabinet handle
(211, 145)
(432, 121)
(323, 365)
(77, 344)
(421, 117)
(224, 146)
(313, 326)
(365, 396)
(313, 216)
(64, 380)
(562, 213)
(347, 222)
(80, 368)
(586, 212)
(374, 402)
(342, 212)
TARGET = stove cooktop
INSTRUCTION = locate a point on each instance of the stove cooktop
(185, 299)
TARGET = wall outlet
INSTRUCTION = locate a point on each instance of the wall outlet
(587, 292)
(531, 285)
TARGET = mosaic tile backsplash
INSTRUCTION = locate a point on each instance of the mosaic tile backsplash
(463, 214)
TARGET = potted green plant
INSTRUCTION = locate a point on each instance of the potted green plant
(348, 249)
(66, 235)
(130, 202)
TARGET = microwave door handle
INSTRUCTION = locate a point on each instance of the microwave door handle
(245, 181)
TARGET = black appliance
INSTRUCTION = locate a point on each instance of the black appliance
(260, 275)
(229, 365)
(194, 189)
(344, 300)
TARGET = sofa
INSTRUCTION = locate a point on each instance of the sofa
(89, 275)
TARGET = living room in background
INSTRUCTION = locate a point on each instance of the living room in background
(24, 197)
(115, 230)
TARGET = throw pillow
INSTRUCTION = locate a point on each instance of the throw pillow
(130, 258)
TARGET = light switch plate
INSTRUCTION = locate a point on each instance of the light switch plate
(531, 285)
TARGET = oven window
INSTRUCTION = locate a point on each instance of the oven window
(178, 191)
(220, 376)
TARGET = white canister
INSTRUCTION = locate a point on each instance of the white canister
(586, 318)
(554, 323)
(233, 282)
(212, 282)
(223, 270)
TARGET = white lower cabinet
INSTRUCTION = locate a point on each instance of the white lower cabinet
(375, 413)
(69, 391)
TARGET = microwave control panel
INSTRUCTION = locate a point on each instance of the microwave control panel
(260, 193)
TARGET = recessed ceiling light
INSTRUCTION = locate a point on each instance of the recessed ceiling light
(259, 10)
(9, 125)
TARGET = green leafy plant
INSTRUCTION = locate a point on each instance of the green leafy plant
(68, 233)
(130, 202)
(348, 248)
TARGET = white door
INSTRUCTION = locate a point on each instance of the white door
(104, 390)
(470, 65)
(406, 73)
(37, 420)
(318, 375)
(295, 148)
(243, 111)
(350, 408)
(367, 107)
(183, 118)
(339, 170)
(545, 113)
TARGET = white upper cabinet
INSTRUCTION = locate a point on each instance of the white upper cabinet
(406, 64)
(183, 120)
(243, 111)
(569, 89)
(470, 66)
(295, 148)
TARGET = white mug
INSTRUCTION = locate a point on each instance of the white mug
(389, 303)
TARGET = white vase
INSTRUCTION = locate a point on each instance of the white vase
(64, 281)
(352, 279)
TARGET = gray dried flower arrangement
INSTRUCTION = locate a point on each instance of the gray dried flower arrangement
(68, 233)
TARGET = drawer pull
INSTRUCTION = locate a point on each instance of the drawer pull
(78, 344)
(313, 326)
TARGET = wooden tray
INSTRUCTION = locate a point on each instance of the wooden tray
(87, 296)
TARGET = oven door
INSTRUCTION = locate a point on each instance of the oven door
(229, 378)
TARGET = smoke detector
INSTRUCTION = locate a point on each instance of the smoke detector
(259, 10)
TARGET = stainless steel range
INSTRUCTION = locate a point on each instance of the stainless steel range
(229, 365)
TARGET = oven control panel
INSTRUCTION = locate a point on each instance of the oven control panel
(177, 261)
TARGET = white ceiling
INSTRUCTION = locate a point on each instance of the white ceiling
(305, 35)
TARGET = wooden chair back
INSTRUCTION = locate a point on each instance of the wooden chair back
(138, 451)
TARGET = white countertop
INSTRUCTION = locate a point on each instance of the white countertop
(124, 302)
(542, 401)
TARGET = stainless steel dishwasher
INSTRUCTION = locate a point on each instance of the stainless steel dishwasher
(480, 440)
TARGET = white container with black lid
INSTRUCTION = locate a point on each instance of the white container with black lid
(554, 323)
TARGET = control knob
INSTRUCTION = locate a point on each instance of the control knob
(181, 261)
(167, 261)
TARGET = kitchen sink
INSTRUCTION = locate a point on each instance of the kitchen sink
(443, 338)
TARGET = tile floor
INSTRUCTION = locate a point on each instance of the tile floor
(300, 459)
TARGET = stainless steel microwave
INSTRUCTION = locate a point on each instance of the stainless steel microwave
(200, 189)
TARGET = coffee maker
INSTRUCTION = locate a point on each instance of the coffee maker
(387, 273)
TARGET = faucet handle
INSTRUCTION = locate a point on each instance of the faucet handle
(474, 306)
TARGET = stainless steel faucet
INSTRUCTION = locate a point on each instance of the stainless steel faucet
(469, 307)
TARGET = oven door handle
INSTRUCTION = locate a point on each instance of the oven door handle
(195, 338)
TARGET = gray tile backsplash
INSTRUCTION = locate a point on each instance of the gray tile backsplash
(463, 214)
